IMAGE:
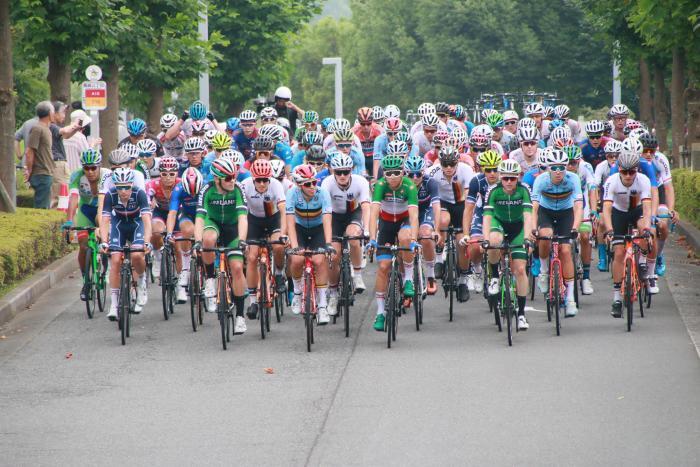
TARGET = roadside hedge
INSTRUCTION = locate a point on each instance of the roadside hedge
(29, 239)
(687, 185)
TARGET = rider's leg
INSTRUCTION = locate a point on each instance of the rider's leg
(251, 274)
(321, 268)
(235, 262)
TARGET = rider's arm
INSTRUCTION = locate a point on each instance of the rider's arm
(106, 214)
(467, 218)
(607, 214)
(486, 226)
(413, 220)
(646, 213)
(174, 130)
(328, 227)
(578, 214)
(374, 216)
(243, 228)
(291, 230)
(671, 199)
(147, 227)
(170, 222)
(72, 207)
(366, 209)
(283, 222)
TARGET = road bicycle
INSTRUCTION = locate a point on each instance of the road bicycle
(95, 273)
(556, 295)
(346, 285)
(224, 293)
(632, 285)
(450, 275)
(128, 292)
(394, 301)
(195, 290)
(266, 293)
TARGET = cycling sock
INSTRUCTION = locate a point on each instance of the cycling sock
(586, 271)
(462, 277)
(651, 263)
(253, 294)
(616, 291)
(521, 305)
(321, 298)
(333, 290)
(297, 285)
(209, 269)
(356, 272)
(115, 296)
(476, 268)
(430, 268)
(239, 301)
(408, 271)
(569, 289)
(380, 302)
(142, 280)
(494, 270)
(186, 258)
(544, 265)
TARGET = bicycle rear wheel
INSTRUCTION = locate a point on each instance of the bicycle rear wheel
(101, 287)
(262, 297)
(418, 296)
(194, 291)
(629, 306)
(308, 313)
(556, 296)
(346, 296)
(507, 305)
(89, 285)
(165, 283)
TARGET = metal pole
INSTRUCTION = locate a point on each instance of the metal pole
(204, 35)
(95, 124)
(338, 62)
(616, 90)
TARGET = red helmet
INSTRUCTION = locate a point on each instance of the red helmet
(478, 140)
(261, 168)
(440, 137)
(392, 124)
(364, 114)
(304, 173)
(168, 164)
(192, 181)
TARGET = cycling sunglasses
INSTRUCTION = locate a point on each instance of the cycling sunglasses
(342, 172)
(391, 133)
(90, 168)
(124, 187)
(414, 174)
(529, 143)
(426, 130)
(269, 119)
(393, 173)
(366, 123)
(247, 124)
(344, 145)
(263, 153)
(261, 180)
(168, 174)
(595, 136)
(628, 171)
(557, 168)
(448, 164)
(511, 122)
(478, 149)
(509, 179)
(490, 170)
(228, 178)
(316, 163)
(309, 184)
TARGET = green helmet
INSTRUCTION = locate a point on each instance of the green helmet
(573, 152)
(489, 159)
(495, 120)
(90, 157)
(300, 133)
(310, 116)
(392, 162)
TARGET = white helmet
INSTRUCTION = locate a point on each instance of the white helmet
(613, 146)
(392, 111)
(509, 166)
(378, 113)
(283, 122)
(483, 129)
(131, 149)
(426, 108)
(460, 136)
(510, 115)
(430, 120)
(123, 176)
(632, 144)
(527, 122)
(619, 110)
(627, 160)
(268, 112)
(341, 124)
(277, 166)
(234, 156)
(528, 134)
(637, 132)
(486, 113)
(562, 112)
(341, 161)
(283, 92)
(167, 121)
(209, 135)
(147, 146)
(556, 157)
(560, 136)
(594, 127)
(541, 157)
(534, 109)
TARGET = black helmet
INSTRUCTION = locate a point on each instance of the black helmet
(316, 154)
(449, 155)
(442, 108)
(649, 141)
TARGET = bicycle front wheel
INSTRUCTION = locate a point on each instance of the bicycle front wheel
(556, 296)
(262, 298)
(194, 293)
(418, 296)
(629, 306)
(308, 313)
(124, 304)
(451, 270)
(165, 283)
(222, 309)
(101, 277)
(89, 284)
(507, 305)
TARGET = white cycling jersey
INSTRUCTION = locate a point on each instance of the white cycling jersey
(455, 189)
(626, 198)
(139, 183)
(329, 142)
(418, 127)
(602, 172)
(263, 204)
(662, 168)
(348, 199)
(519, 157)
(173, 147)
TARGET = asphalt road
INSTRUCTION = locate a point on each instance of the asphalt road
(454, 393)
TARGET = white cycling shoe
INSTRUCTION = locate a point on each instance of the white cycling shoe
(587, 287)
(239, 326)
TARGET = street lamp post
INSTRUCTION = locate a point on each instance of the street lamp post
(616, 90)
(338, 62)
(204, 35)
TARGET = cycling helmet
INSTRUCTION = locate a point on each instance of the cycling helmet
(548, 112)
(268, 112)
(234, 157)
(619, 110)
(648, 140)
(192, 181)
(304, 173)
(442, 108)
(119, 157)
(486, 113)
(392, 162)
(460, 136)
(457, 111)
(495, 120)
(199, 126)
(403, 136)
(527, 122)
(222, 168)
(316, 153)
(123, 176)
(146, 147)
(310, 116)
(341, 161)
(632, 145)
(613, 147)
(221, 141)
(430, 120)
(167, 121)
(573, 152)
(478, 140)
(426, 108)
(263, 143)
(556, 123)
(314, 137)
(627, 160)
(484, 130)
(271, 130)
(542, 157)
(194, 144)
(283, 92)
(136, 127)
(392, 111)
(397, 148)
(392, 124)
(90, 157)
(325, 123)
(260, 168)
(343, 136)
(284, 123)
(440, 137)
(364, 114)
(608, 127)
(562, 112)
(637, 132)
(560, 136)
(489, 159)
(528, 134)
(299, 134)
(631, 125)
(131, 150)
(448, 154)
(198, 111)
(534, 108)
(233, 123)
(277, 167)
(594, 127)
(378, 113)
(414, 164)
(556, 157)
(509, 167)
(209, 136)
(341, 124)
(510, 115)
(168, 164)
(248, 116)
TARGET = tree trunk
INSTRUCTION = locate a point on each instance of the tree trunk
(109, 117)
(660, 108)
(692, 97)
(7, 114)
(59, 79)
(644, 92)
(677, 104)
(155, 108)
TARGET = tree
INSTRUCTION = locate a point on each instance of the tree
(7, 113)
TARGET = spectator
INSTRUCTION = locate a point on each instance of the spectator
(61, 173)
(40, 165)
(23, 135)
(78, 143)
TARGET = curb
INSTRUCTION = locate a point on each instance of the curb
(32, 288)
(691, 233)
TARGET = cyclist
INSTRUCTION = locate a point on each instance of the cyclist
(268, 115)
(626, 203)
(535, 111)
(159, 193)
(526, 154)
(350, 203)
(219, 143)
(126, 217)
(394, 216)
(148, 162)
(341, 125)
(503, 137)
(510, 121)
(318, 158)
(182, 213)
(593, 147)
(453, 178)
(343, 143)
(172, 146)
(222, 220)
(309, 226)
(84, 188)
(422, 140)
(246, 134)
(557, 203)
(507, 216)
(561, 112)
(194, 151)
(278, 172)
(439, 139)
(367, 130)
(193, 122)
(266, 200)
(602, 171)
(392, 126)
(119, 158)
(310, 120)
(479, 187)
(378, 115)
(619, 113)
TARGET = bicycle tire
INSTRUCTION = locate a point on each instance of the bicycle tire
(193, 292)
(262, 296)
(577, 278)
(452, 275)
(222, 309)
(165, 282)
(346, 280)
(641, 300)
(507, 305)
(418, 297)
(102, 283)
(308, 313)
(556, 296)
(629, 306)
(549, 309)
(390, 312)
(89, 284)
(279, 305)
(124, 303)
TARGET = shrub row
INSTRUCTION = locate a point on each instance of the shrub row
(687, 186)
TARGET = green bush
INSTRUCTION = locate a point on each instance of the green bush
(687, 186)
(31, 239)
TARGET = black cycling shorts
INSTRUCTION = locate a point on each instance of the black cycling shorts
(560, 221)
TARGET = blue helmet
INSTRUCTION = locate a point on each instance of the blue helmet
(136, 127)
(414, 163)
(325, 122)
(198, 111)
(555, 123)
(123, 176)
(233, 123)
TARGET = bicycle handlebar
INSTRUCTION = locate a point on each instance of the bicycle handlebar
(265, 242)
(393, 248)
(86, 229)
(349, 238)
(306, 252)
(452, 229)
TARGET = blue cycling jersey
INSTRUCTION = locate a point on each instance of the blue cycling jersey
(380, 145)
(297, 159)
(557, 197)
(308, 213)
(478, 187)
(428, 193)
(590, 154)
(244, 143)
(182, 202)
(322, 175)
(284, 152)
(530, 176)
(132, 210)
(358, 160)
(645, 167)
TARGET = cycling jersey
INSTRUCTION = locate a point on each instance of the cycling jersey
(394, 203)
(380, 147)
(627, 198)
(308, 212)
(593, 155)
(662, 168)
(173, 147)
(265, 204)
(156, 192)
(508, 208)
(367, 141)
(132, 210)
(186, 127)
(557, 197)
(421, 145)
(139, 183)
(518, 156)
(530, 176)
(244, 143)
(329, 143)
(184, 203)
(153, 172)
(87, 201)
(284, 152)
(222, 208)
(646, 168)
(456, 188)
(478, 190)
(602, 172)
(347, 199)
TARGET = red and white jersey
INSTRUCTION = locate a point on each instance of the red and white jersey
(157, 194)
